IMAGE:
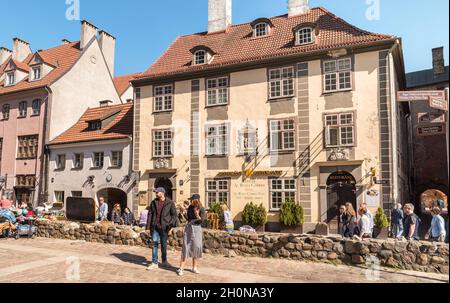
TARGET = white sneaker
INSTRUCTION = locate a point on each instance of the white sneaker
(180, 272)
(152, 266)
(195, 271)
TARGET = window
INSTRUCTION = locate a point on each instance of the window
(200, 57)
(25, 181)
(5, 111)
(23, 106)
(217, 140)
(163, 98)
(339, 130)
(59, 196)
(217, 191)
(248, 140)
(78, 161)
(282, 135)
(162, 143)
(337, 75)
(36, 73)
(95, 125)
(305, 35)
(98, 160)
(217, 91)
(281, 190)
(60, 162)
(27, 147)
(116, 159)
(261, 29)
(281, 82)
(36, 106)
(10, 78)
(77, 194)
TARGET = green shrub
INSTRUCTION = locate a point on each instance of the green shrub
(254, 214)
(215, 208)
(291, 214)
(381, 220)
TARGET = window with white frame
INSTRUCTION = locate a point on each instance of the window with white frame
(200, 57)
(261, 29)
(281, 82)
(337, 74)
(116, 159)
(281, 191)
(36, 73)
(60, 162)
(23, 106)
(78, 161)
(339, 130)
(10, 78)
(163, 100)
(217, 191)
(5, 111)
(305, 35)
(59, 196)
(36, 106)
(162, 143)
(217, 140)
(217, 91)
(98, 159)
(282, 135)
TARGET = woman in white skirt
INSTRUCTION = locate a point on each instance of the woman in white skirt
(193, 235)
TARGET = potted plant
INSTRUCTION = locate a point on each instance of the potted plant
(291, 218)
(255, 216)
(381, 224)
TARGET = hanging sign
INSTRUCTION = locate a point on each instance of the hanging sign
(438, 103)
(431, 130)
(431, 118)
(406, 96)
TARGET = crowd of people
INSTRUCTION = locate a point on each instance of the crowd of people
(404, 223)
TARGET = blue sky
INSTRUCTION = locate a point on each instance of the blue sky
(145, 28)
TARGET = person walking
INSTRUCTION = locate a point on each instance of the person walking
(411, 223)
(364, 231)
(342, 215)
(162, 217)
(102, 210)
(437, 230)
(193, 235)
(349, 220)
(227, 218)
(127, 217)
(397, 221)
(369, 215)
(116, 214)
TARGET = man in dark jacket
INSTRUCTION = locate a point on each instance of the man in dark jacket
(162, 217)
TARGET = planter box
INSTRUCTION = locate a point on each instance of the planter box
(380, 233)
(298, 229)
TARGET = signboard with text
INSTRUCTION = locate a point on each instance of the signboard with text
(431, 130)
(440, 104)
(407, 96)
(431, 118)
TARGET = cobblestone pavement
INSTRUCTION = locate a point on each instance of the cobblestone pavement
(48, 260)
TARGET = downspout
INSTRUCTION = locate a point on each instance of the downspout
(45, 165)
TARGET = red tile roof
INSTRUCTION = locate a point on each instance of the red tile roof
(120, 127)
(122, 83)
(237, 45)
(62, 57)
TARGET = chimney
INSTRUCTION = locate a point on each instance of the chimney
(438, 61)
(21, 49)
(108, 46)
(297, 7)
(219, 15)
(4, 54)
(88, 31)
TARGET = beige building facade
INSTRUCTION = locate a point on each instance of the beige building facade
(317, 125)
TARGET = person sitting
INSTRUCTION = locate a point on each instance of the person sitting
(127, 217)
(5, 203)
(144, 216)
(227, 218)
(116, 215)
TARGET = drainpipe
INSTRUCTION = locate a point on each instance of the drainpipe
(46, 151)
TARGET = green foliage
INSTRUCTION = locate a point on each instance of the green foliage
(381, 220)
(291, 214)
(215, 208)
(254, 214)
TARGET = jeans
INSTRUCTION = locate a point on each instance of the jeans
(159, 235)
(397, 230)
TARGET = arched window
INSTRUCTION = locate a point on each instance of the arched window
(200, 57)
(261, 29)
(305, 35)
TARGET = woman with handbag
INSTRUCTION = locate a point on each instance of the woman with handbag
(193, 235)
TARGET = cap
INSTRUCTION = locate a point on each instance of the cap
(160, 190)
(194, 197)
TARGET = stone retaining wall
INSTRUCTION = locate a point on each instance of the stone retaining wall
(415, 255)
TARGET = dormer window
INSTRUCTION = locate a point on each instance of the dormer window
(10, 78)
(36, 73)
(95, 125)
(261, 29)
(305, 35)
(200, 57)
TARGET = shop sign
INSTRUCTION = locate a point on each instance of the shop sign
(431, 130)
(438, 103)
(431, 118)
(407, 96)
